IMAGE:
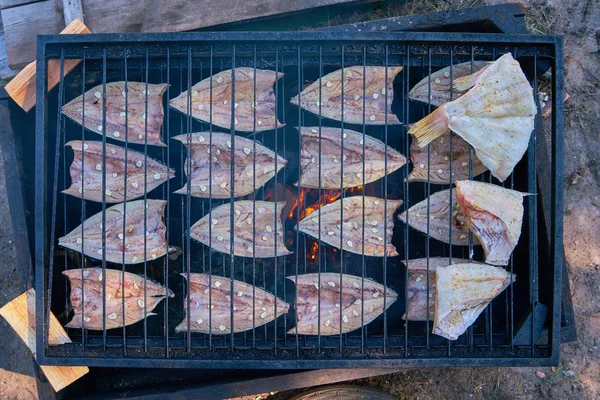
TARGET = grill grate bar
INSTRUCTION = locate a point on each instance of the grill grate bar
(386, 335)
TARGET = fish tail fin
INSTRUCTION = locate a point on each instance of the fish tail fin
(431, 127)
(467, 82)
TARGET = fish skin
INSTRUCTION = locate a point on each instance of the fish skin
(375, 244)
(264, 101)
(463, 292)
(307, 296)
(244, 240)
(496, 116)
(329, 95)
(115, 163)
(439, 157)
(439, 208)
(331, 171)
(244, 170)
(93, 286)
(247, 309)
(115, 105)
(440, 83)
(156, 243)
(494, 215)
(416, 299)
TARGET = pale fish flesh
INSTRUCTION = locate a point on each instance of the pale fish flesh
(463, 292)
(416, 299)
(123, 243)
(257, 231)
(437, 167)
(324, 96)
(494, 215)
(87, 300)
(439, 218)
(362, 300)
(211, 166)
(328, 143)
(374, 228)
(496, 116)
(87, 169)
(132, 123)
(437, 85)
(211, 300)
(253, 97)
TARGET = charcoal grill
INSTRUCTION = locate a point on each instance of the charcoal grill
(182, 60)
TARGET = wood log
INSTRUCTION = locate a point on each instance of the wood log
(20, 314)
(22, 87)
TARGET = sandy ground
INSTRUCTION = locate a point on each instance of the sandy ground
(578, 377)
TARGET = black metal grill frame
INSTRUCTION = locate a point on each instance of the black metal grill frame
(380, 352)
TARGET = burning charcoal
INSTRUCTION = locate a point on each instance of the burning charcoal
(376, 227)
(330, 147)
(496, 116)
(123, 244)
(252, 169)
(494, 215)
(258, 230)
(362, 300)
(122, 124)
(91, 187)
(437, 85)
(463, 292)
(324, 96)
(416, 299)
(210, 304)
(439, 166)
(90, 290)
(253, 96)
(439, 209)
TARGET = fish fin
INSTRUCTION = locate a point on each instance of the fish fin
(467, 82)
(431, 127)
(294, 100)
(292, 331)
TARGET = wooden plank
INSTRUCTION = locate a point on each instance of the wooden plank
(6, 72)
(22, 87)
(20, 314)
(22, 25)
(15, 3)
(72, 9)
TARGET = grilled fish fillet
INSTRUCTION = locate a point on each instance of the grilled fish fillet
(258, 230)
(416, 299)
(436, 164)
(132, 123)
(329, 143)
(324, 96)
(86, 172)
(322, 312)
(254, 96)
(439, 217)
(437, 85)
(496, 116)
(494, 215)
(463, 292)
(210, 305)
(86, 297)
(122, 245)
(217, 182)
(378, 225)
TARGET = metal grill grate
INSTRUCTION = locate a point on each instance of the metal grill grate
(181, 60)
